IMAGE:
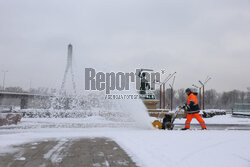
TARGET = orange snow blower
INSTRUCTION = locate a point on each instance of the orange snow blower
(167, 122)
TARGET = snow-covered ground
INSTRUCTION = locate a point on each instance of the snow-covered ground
(154, 147)
(220, 119)
(147, 147)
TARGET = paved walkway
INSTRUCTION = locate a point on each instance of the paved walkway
(95, 152)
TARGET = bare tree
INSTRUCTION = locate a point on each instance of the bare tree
(211, 98)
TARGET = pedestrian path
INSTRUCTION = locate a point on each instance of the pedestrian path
(94, 152)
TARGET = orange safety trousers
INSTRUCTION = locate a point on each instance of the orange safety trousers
(199, 119)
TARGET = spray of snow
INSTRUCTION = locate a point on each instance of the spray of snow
(94, 110)
(136, 110)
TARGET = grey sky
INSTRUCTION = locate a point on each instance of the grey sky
(192, 37)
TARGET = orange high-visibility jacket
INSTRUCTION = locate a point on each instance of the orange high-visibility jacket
(192, 102)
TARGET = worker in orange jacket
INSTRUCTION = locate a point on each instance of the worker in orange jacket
(193, 110)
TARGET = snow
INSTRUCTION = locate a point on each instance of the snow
(146, 146)
(55, 154)
(21, 158)
(177, 148)
(87, 122)
(212, 110)
(151, 147)
(219, 119)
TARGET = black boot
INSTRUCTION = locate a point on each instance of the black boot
(184, 129)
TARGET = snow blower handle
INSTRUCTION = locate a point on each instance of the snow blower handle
(184, 107)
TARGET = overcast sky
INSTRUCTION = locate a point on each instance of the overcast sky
(192, 37)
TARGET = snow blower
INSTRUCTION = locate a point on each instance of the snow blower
(167, 123)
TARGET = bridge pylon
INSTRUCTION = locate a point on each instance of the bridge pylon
(68, 71)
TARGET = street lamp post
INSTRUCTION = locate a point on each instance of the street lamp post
(4, 75)
(160, 96)
(172, 94)
(199, 93)
(203, 95)
(163, 90)
(203, 90)
(164, 95)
